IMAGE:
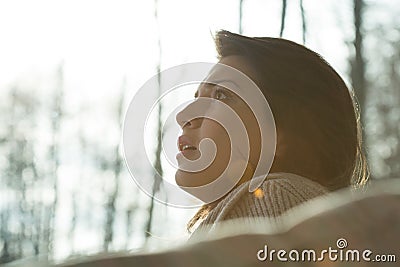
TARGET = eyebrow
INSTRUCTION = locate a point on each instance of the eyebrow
(196, 94)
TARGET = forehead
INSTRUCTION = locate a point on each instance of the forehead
(227, 77)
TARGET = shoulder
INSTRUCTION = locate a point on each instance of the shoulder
(289, 184)
(277, 194)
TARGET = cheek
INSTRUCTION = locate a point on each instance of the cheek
(254, 135)
(210, 128)
(217, 133)
(214, 131)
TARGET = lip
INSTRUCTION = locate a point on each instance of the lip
(184, 140)
(188, 153)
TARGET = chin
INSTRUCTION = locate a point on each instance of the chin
(178, 178)
(183, 179)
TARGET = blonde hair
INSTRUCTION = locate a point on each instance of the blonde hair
(361, 172)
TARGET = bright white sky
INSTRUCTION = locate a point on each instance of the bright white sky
(100, 41)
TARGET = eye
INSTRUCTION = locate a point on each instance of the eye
(220, 93)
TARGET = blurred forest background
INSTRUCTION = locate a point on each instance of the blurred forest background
(65, 189)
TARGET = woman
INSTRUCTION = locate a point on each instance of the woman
(318, 146)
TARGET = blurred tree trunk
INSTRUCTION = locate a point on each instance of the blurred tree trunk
(240, 16)
(130, 211)
(116, 167)
(17, 165)
(303, 21)
(5, 236)
(394, 160)
(283, 17)
(36, 211)
(56, 115)
(12, 243)
(390, 110)
(158, 172)
(19, 176)
(74, 218)
(358, 62)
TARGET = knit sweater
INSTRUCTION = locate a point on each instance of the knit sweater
(277, 194)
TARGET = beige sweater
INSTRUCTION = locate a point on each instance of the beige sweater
(277, 194)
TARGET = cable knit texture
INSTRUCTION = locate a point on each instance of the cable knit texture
(277, 194)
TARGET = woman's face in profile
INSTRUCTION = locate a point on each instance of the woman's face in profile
(195, 130)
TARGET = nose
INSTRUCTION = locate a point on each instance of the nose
(188, 117)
